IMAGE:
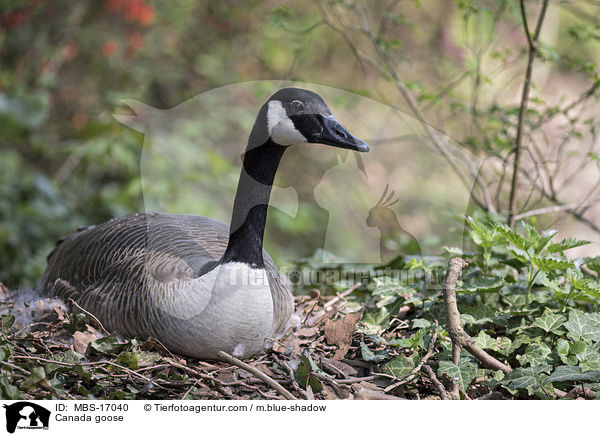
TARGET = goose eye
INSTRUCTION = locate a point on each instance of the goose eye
(297, 105)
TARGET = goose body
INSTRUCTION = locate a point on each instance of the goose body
(194, 283)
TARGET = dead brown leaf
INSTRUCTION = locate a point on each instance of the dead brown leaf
(81, 340)
(340, 332)
(307, 332)
(344, 368)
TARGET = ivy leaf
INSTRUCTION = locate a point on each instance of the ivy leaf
(389, 287)
(108, 345)
(304, 374)
(583, 325)
(401, 366)
(6, 322)
(8, 391)
(370, 356)
(485, 341)
(462, 375)
(68, 356)
(590, 361)
(549, 321)
(477, 315)
(573, 373)
(536, 354)
(374, 322)
(36, 378)
(485, 284)
(130, 359)
(525, 378)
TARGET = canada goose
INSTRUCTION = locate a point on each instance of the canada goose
(194, 283)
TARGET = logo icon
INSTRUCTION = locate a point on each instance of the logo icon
(26, 415)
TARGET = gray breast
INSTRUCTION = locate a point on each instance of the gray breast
(112, 269)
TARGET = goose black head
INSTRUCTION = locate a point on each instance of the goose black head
(296, 116)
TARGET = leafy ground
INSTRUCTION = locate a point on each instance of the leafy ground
(522, 302)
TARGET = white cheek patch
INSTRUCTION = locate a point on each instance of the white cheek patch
(280, 127)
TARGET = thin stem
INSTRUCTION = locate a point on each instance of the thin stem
(533, 42)
(530, 284)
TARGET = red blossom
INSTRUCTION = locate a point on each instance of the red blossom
(109, 48)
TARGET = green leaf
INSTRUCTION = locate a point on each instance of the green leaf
(8, 391)
(562, 349)
(420, 323)
(536, 354)
(304, 374)
(6, 322)
(370, 356)
(374, 322)
(542, 241)
(401, 366)
(485, 284)
(565, 244)
(583, 325)
(512, 236)
(462, 375)
(108, 345)
(68, 356)
(524, 378)
(590, 360)
(279, 16)
(130, 359)
(37, 377)
(386, 287)
(578, 347)
(519, 255)
(477, 315)
(550, 264)
(454, 250)
(554, 285)
(549, 321)
(485, 341)
(573, 373)
(587, 286)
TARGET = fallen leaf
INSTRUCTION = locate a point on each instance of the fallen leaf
(340, 332)
(366, 394)
(347, 370)
(307, 332)
(81, 340)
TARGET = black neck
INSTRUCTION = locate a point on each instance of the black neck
(251, 202)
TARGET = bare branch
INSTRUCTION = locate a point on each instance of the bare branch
(455, 329)
(438, 385)
(554, 209)
(258, 373)
(523, 108)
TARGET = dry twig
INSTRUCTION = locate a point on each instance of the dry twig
(422, 362)
(459, 337)
(532, 42)
(258, 373)
(91, 315)
(438, 385)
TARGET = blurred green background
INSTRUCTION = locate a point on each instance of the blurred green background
(66, 66)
